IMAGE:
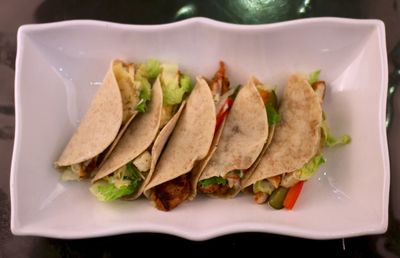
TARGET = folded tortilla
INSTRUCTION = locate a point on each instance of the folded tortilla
(103, 123)
(189, 142)
(297, 137)
(141, 135)
(244, 134)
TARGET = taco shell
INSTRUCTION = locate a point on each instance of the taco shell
(100, 125)
(191, 139)
(297, 136)
(244, 134)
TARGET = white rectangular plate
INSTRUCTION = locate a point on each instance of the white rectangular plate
(60, 65)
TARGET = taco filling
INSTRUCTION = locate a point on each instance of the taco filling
(283, 190)
(124, 181)
(175, 86)
(128, 179)
(170, 194)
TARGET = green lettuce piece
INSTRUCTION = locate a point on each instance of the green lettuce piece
(213, 180)
(145, 75)
(174, 84)
(149, 70)
(144, 95)
(310, 168)
(273, 115)
(186, 83)
(313, 77)
(105, 191)
(132, 172)
(330, 140)
(141, 106)
(113, 188)
(342, 140)
(152, 68)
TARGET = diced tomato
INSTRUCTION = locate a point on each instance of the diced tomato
(292, 195)
(223, 112)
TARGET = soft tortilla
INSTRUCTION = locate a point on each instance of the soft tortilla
(138, 137)
(199, 167)
(297, 136)
(191, 139)
(157, 148)
(100, 125)
(243, 136)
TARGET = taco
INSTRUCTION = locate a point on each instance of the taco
(125, 92)
(295, 152)
(129, 167)
(190, 141)
(244, 134)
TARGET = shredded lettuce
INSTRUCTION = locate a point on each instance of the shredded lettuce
(124, 181)
(313, 77)
(105, 191)
(310, 168)
(213, 180)
(149, 70)
(144, 77)
(330, 140)
(144, 95)
(152, 68)
(186, 83)
(273, 115)
(174, 85)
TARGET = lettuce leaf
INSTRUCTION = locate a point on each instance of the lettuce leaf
(145, 75)
(310, 168)
(148, 70)
(313, 77)
(273, 115)
(330, 140)
(174, 85)
(213, 180)
(105, 191)
(144, 95)
(152, 69)
(186, 83)
(124, 181)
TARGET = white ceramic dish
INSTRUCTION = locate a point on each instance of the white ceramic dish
(59, 66)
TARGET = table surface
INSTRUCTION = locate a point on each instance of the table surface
(14, 13)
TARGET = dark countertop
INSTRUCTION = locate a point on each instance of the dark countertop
(14, 13)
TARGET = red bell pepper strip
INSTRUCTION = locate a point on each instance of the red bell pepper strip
(223, 112)
(292, 195)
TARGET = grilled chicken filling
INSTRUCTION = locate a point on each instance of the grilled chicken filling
(170, 194)
(220, 83)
